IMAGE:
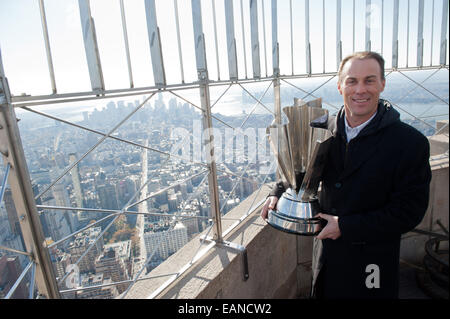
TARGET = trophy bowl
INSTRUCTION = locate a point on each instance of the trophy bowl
(295, 216)
(301, 148)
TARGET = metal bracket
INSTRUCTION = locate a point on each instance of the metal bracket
(242, 250)
(202, 76)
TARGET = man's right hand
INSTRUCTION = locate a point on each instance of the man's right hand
(271, 203)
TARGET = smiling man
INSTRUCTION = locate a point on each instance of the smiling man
(375, 187)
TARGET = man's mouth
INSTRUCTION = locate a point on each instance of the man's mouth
(360, 100)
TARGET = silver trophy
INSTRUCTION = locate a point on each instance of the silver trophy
(300, 150)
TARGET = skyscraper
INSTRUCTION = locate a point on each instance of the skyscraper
(10, 271)
(81, 243)
(12, 213)
(105, 292)
(61, 196)
(74, 172)
(107, 196)
(112, 267)
(163, 240)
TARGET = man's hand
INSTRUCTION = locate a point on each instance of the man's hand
(271, 203)
(331, 230)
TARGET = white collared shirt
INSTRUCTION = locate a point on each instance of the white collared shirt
(352, 132)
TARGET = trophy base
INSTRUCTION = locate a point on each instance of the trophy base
(310, 227)
(295, 216)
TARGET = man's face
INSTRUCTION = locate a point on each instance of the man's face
(360, 86)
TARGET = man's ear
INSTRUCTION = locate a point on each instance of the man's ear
(383, 83)
(339, 87)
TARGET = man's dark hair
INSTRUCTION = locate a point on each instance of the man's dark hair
(363, 56)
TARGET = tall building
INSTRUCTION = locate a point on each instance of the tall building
(88, 280)
(61, 196)
(111, 265)
(58, 224)
(107, 196)
(10, 271)
(172, 201)
(74, 172)
(60, 261)
(82, 241)
(125, 189)
(124, 251)
(163, 240)
(41, 214)
(82, 217)
(191, 224)
(13, 219)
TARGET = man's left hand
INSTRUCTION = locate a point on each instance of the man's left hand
(331, 230)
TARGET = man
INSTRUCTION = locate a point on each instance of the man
(375, 187)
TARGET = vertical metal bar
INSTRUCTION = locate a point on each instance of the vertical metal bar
(338, 34)
(255, 39)
(199, 39)
(243, 39)
(395, 36)
(323, 35)
(47, 46)
(292, 37)
(443, 54)
(175, 3)
(90, 46)
(155, 43)
(407, 32)
(206, 118)
(19, 181)
(277, 100)
(276, 84)
(420, 35)
(432, 33)
(125, 39)
(264, 31)
(353, 25)
(231, 40)
(215, 38)
(32, 282)
(382, 25)
(307, 44)
(275, 47)
(368, 22)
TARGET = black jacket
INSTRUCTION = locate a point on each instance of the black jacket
(378, 185)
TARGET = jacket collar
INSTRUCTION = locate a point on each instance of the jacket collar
(386, 115)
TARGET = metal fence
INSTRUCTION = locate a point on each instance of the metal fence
(258, 42)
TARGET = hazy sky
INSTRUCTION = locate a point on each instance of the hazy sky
(25, 62)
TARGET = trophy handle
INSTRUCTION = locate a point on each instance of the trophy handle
(314, 170)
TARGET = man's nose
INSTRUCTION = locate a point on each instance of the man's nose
(360, 88)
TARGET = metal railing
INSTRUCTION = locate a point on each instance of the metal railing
(244, 28)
